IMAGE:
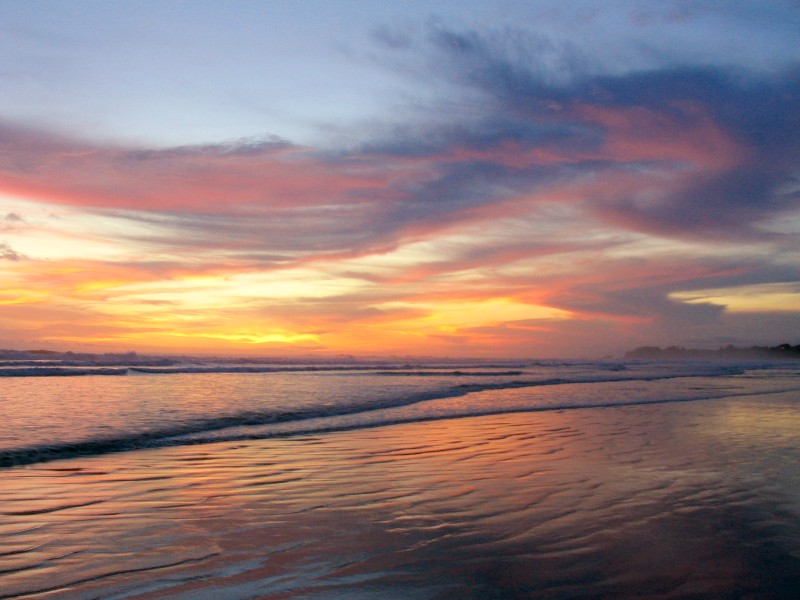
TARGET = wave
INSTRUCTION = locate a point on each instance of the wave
(33, 369)
(379, 370)
(338, 425)
(449, 373)
(180, 433)
(59, 371)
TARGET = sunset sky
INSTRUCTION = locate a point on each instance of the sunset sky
(484, 178)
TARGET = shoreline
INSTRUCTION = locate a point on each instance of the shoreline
(676, 499)
(196, 416)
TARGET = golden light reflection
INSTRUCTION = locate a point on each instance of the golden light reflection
(742, 420)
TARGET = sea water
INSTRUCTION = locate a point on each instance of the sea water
(436, 482)
(49, 414)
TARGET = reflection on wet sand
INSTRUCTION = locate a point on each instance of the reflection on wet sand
(673, 500)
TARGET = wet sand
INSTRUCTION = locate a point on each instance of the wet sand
(683, 500)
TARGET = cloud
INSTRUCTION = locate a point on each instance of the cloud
(541, 177)
(12, 222)
(676, 151)
(723, 141)
(270, 172)
(8, 253)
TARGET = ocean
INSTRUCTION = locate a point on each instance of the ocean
(551, 479)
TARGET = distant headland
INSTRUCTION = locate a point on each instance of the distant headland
(781, 352)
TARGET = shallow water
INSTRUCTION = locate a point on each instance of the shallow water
(52, 417)
(671, 500)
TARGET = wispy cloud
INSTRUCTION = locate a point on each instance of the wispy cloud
(578, 197)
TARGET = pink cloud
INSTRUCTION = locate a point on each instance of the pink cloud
(685, 132)
(215, 178)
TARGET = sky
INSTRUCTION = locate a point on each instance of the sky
(370, 178)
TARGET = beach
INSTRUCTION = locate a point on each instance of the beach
(693, 499)
(367, 300)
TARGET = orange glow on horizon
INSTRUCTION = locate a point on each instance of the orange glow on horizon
(469, 244)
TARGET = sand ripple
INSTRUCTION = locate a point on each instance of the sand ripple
(661, 501)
